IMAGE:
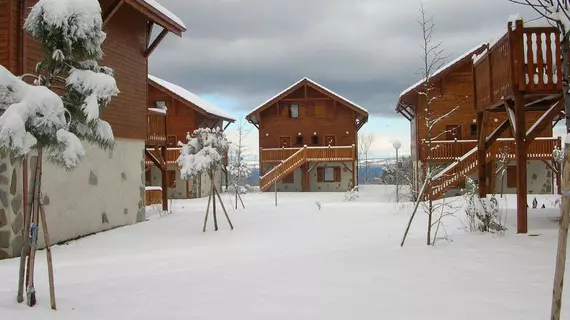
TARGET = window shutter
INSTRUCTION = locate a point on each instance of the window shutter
(511, 176)
(320, 174)
(337, 174)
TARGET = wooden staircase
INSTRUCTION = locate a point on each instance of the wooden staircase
(456, 172)
(302, 156)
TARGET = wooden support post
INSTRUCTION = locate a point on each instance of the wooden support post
(481, 154)
(520, 154)
(165, 181)
(354, 170)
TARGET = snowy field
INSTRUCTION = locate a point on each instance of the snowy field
(295, 261)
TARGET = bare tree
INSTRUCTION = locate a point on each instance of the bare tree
(238, 168)
(364, 144)
(433, 59)
(557, 14)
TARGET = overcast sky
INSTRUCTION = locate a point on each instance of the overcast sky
(238, 53)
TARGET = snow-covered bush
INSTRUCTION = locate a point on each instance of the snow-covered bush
(351, 194)
(483, 215)
(204, 152)
(35, 116)
(558, 155)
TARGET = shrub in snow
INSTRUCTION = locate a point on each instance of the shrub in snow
(351, 195)
(558, 155)
(204, 152)
(35, 116)
(483, 215)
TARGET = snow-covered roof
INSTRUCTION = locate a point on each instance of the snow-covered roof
(329, 91)
(193, 99)
(445, 67)
(160, 8)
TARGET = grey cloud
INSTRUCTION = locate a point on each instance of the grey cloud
(366, 50)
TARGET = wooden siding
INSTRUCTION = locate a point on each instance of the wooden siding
(456, 89)
(4, 32)
(180, 117)
(317, 113)
(124, 52)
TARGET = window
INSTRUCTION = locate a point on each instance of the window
(511, 176)
(315, 140)
(299, 140)
(290, 178)
(293, 110)
(172, 178)
(171, 141)
(473, 130)
(328, 174)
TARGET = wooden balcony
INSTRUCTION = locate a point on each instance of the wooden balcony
(313, 154)
(525, 59)
(171, 155)
(452, 150)
(156, 128)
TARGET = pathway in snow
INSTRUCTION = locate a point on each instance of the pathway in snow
(295, 261)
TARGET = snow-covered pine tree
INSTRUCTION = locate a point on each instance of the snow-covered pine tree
(69, 90)
(60, 108)
(204, 153)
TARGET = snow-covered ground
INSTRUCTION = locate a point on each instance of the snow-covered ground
(295, 261)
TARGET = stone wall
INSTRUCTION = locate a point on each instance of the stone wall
(105, 191)
(314, 186)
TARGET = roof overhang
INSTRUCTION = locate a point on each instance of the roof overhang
(363, 113)
(188, 103)
(157, 16)
(408, 99)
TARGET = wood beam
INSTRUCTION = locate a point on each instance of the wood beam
(521, 156)
(108, 15)
(165, 181)
(156, 42)
(154, 159)
(227, 125)
(482, 153)
(544, 121)
(496, 133)
(551, 167)
(511, 117)
(149, 28)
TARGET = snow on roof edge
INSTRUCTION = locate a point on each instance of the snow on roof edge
(192, 98)
(446, 66)
(156, 5)
(314, 83)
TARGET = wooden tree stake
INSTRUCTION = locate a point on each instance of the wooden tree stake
(48, 254)
(207, 212)
(223, 207)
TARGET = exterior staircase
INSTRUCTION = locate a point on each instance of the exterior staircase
(456, 172)
(302, 156)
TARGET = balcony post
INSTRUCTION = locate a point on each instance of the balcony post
(521, 156)
(482, 154)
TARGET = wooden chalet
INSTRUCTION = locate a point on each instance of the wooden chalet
(308, 139)
(508, 108)
(77, 196)
(173, 113)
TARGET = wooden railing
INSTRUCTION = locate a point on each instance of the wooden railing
(539, 149)
(452, 150)
(283, 169)
(525, 59)
(298, 157)
(276, 154)
(172, 155)
(156, 128)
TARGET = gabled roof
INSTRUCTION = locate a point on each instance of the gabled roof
(438, 74)
(188, 97)
(159, 14)
(316, 86)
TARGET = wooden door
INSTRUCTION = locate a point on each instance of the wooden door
(330, 140)
(285, 142)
